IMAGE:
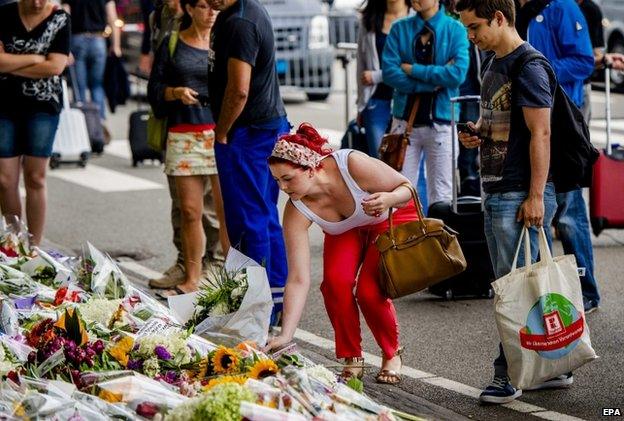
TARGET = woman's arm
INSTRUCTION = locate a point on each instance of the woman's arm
(11, 62)
(381, 180)
(111, 18)
(53, 65)
(298, 283)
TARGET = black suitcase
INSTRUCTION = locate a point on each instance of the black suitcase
(465, 215)
(138, 139)
(355, 138)
(468, 222)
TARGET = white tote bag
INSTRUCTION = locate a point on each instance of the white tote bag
(540, 317)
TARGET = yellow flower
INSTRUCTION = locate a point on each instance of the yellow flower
(121, 350)
(225, 379)
(262, 369)
(225, 360)
(110, 396)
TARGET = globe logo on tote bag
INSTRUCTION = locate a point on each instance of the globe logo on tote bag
(553, 327)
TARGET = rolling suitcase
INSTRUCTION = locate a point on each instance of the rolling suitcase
(606, 203)
(355, 138)
(465, 215)
(71, 142)
(138, 139)
(91, 112)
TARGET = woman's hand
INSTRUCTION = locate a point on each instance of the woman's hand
(377, 203)
(407, 68)
(276, 342)
(186, 95)
(367, 78)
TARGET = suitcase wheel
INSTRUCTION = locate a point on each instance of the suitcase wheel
(489, 293)
(448, 294)
(135, 162)
(55, 161)
(84, 157)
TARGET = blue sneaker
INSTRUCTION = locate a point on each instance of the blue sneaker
(499, 391)
(589, 305)
(559, 382)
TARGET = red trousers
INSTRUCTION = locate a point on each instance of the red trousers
(350, 283)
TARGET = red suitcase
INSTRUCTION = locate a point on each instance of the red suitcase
(606, 196)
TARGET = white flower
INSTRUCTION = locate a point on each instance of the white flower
(322, 374)
(239, 291)
(220, 309)
(175, 344)
(151, 367)
(99, 310)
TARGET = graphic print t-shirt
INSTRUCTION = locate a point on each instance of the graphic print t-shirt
(505, 163)
(50, 36)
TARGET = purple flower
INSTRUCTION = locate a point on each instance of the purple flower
(162, 353)
(170, 377)
(136, 365)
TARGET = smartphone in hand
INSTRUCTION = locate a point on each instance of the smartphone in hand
(465, 128)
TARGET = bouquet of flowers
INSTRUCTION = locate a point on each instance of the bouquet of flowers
(221, 294)
(220, 403)
(46, 270)
(14, 238)
(98, 273)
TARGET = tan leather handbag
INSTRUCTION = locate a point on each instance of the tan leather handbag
(417, 254)
(393, 146)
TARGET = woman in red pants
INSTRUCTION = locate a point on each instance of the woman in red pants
(348, 195)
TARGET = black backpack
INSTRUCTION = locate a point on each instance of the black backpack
(572, 155)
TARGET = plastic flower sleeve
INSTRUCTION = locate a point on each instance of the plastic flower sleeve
(102, 275)
(9, 323)
(47, 270)
(18, 349)
(253, 412)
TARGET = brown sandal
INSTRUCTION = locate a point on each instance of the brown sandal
(348, 372)
(391, 377)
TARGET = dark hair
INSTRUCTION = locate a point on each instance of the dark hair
(307, 136)
(485, 9)
(186, 18)
(373, 12)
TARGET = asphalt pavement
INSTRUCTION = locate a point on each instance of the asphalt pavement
(449, 345)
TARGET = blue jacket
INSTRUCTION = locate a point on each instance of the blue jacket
(560, 33)
(445, 75)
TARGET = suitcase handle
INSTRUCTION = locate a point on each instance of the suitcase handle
(459, 100)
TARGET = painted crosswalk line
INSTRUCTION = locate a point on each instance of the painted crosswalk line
(103, 179)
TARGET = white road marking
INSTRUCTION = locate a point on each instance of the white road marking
(334, 137)
(416, 374)
(103, 180)
(119, 148)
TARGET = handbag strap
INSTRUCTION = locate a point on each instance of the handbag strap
(412, 116)
(419, 212)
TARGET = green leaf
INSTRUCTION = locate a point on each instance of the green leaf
(356, 384)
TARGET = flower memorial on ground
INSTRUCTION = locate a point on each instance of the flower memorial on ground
(78, 341)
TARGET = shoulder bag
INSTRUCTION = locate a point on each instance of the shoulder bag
(393, 146)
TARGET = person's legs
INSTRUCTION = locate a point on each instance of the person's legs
(217, 199)
(573, 227)
(250, 201)
(437, 145)
(342, 255)
(40, 131)
(79, 49)
(10, 162)
(96, 64)
(190, 190)
(212, 225)
(502, 234)
(376, 117)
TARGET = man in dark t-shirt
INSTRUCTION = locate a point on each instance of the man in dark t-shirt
(250, 116)
(514, 135)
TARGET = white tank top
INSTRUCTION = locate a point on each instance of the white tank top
(358, 218)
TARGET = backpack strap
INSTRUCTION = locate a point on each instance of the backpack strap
(173, 42)
(525, 58)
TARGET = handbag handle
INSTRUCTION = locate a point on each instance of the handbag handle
(412, 116)
(419, 212)
(544, 251)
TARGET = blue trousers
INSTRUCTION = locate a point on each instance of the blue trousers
(376, 119)
(502, 233)
(90, 54)
(250, 201)
(572, 223)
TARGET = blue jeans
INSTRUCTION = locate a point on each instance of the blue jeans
(29, 134)
(376, 119)
(250, 201)
(502, 233)
(90, 61)
(572, 223)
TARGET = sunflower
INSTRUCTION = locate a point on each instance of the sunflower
(225, 379)
(121, 350)
(225, 360)
(262, 369)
